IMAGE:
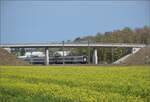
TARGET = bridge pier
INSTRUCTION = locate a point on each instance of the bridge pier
(134, 50)
(46, 56)
(95, 58)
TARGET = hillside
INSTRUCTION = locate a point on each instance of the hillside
(10, 59)
(141, 57)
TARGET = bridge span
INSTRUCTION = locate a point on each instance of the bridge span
(73, 45)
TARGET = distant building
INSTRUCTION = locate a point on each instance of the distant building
(33, 54)
(8, 49)
(60, 53)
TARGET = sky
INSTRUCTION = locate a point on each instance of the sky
(57, 21)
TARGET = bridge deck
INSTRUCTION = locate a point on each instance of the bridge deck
(71, 45)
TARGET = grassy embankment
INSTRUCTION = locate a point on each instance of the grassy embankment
(75, 84)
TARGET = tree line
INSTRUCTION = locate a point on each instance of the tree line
(125, 35)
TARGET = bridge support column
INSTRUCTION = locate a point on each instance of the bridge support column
(95, 58)
(134, 50)
(46, 56)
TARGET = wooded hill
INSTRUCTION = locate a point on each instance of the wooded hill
(126, 35)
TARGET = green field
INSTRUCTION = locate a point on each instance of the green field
(75, 84)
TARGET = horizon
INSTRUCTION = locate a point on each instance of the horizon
(57, 21)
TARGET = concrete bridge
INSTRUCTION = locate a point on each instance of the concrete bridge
(73, 45)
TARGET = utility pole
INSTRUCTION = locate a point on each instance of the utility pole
(112, 55)
(88, 52)
(31, 60)
(63, 51)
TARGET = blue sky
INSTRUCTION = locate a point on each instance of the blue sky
(51, 21)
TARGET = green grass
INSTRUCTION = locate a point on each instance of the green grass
(74, 83)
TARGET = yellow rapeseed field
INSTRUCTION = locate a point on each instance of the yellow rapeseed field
(74, 83)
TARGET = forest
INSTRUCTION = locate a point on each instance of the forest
(125, 35)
